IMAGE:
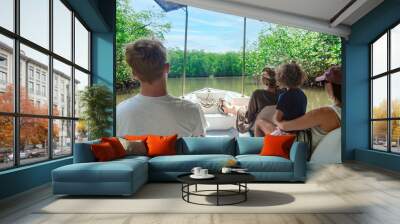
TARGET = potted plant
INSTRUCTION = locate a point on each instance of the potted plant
(96, 102)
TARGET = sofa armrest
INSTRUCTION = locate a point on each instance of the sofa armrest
(83, 152)
(298, 155)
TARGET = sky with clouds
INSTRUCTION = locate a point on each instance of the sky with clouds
(208, 30)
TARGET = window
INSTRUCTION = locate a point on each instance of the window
(34, 21)
(38, 89)
(81, 82)
(3, 72)
(37, 74)
(62, 137)
(385, 95)
(30, 72)
(81, 45)
(62, 74)
(44, 91)
(6, 142)
(46, 73)
(62, 29)
(30, 87)
(55, 101)
(33, 140)
(6, 74)
(3, 61)
(3, 78)
(7, 14)
(395, 47)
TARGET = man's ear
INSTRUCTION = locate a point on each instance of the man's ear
(166, 68)
(135, 75)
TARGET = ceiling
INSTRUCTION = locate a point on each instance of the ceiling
(322, 9)
(327, 16)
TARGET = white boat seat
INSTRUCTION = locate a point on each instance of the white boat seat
(220, 121)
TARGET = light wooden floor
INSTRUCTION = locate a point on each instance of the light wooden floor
(352, 181)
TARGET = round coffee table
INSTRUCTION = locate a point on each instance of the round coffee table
(238, 179)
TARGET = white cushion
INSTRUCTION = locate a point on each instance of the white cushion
(329, 150)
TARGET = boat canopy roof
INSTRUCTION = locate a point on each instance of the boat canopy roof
(168, 6)
(326, 16)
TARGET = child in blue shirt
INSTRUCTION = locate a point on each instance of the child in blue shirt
(293, 102)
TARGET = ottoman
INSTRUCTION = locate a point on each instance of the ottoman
(119, 177)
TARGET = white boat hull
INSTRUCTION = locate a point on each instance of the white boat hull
(218, 122)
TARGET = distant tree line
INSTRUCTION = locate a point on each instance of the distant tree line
(205, 64)
(275, 45)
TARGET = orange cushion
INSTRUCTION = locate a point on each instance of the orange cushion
(116, 145)
(136, 137)
(161, 145)
(277, 145)
(103, 152)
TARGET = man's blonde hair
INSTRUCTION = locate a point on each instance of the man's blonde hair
(147, 59)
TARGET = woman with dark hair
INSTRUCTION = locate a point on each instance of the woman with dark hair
(290, 105)
(259, 99)
(263, 97)
(322, 120)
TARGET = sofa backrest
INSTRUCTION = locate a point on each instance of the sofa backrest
(249, 145)
(83, 152)
(186, 145)
(206, 145)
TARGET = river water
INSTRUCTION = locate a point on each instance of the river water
(316, 96)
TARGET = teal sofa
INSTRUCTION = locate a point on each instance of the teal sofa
(125, 176)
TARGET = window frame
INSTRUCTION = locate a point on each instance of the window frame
(388, 74)
(16, 114)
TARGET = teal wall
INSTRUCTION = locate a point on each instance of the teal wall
(99, 16)
(356, 68)
(24, 178)
(103, 64)
(380, 159)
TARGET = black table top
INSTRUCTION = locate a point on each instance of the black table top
(220, 178)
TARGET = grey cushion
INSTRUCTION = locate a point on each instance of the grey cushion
(137, 148)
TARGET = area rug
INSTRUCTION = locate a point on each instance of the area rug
(166, 198)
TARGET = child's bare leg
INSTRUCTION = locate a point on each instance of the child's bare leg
(257, 131)
(263, 127)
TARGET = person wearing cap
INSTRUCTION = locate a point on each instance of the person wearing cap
(263, 97)
(325, 119)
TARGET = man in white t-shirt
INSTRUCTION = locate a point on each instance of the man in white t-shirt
(153, 111)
